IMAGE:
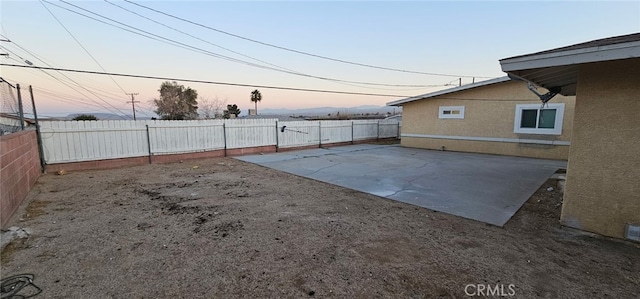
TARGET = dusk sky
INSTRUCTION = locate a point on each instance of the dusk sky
(459, 39)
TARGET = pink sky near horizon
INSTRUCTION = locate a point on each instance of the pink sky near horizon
(458, 38)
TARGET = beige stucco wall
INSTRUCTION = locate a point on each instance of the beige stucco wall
(489, 112)
(602, 192)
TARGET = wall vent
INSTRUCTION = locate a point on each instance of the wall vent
(633, 232)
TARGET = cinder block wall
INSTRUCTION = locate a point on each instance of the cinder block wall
(19, 170)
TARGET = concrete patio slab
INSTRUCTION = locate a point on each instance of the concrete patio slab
(486, 188)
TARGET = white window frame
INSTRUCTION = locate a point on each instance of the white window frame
(442, 109)
(557, 127)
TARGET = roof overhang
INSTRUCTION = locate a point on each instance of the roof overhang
(448, 91)
(558, 69)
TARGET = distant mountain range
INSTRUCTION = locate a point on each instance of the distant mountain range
(107, 116)
(319, 111)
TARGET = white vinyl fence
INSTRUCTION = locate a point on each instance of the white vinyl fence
(76, 141)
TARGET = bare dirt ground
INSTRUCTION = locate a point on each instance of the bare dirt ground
(232, 229)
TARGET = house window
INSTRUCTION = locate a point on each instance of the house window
(535, 119)
(451, 112)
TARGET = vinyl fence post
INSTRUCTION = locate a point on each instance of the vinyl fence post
(319, 133)
(351, 132)
(148, 142)
(398, 131)
(277, 141)
(224, 136)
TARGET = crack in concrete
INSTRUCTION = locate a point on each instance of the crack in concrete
(406, 186)
(335, 153)
(392, 168)
(323, 168)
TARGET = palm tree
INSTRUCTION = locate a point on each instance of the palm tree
(256, 97)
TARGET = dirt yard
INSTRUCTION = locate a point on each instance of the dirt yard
(222, 228)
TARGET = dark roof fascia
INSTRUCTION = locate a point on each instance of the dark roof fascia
(590, 44)
(577, 54)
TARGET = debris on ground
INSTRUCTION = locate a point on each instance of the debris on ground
(14, 232)
(18, 286)
(233, 229)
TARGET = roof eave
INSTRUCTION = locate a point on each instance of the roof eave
(559, 70)
(571, 57)
(449, 90)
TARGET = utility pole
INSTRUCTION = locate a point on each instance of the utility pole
(133, 103)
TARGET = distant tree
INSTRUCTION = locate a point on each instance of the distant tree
(176, 102)
(85, 117)
(256, 97)
(231, 110)
(211, 108)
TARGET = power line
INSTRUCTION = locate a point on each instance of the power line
(193, 36)
(13, 58)
(66, 84)
(97, 103)
(48, 77)
(145, 114)
(70, 79)
(213, 54)
(51, 64)
(142, 107)
(66, 98)
(80, 44)
(70, 100)
(3, 80)
(23, 60)
(290, 71)
(297, 51)
(203, 81)
(20, 57)
(125, 29)
(57, 95)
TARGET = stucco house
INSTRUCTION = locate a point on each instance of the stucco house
(602, 192)
(10, 123)
(498, 116)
